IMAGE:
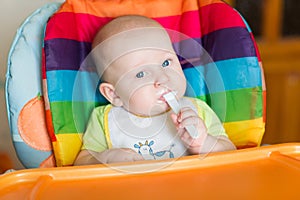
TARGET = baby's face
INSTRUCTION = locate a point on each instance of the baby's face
(142, 77)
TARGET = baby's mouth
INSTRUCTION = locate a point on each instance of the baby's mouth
(161, 98)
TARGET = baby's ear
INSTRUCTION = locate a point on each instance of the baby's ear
(108, 91)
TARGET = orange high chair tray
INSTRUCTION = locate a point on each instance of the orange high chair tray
(270, 172)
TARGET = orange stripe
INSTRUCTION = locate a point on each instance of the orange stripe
(150, 8)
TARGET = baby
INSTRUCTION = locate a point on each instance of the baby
(138, 66)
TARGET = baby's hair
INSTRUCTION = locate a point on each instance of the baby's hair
(120, 24)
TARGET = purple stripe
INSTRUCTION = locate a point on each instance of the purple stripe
(229, 43)
(219, 45)
(65, 54)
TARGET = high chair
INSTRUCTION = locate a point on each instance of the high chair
(48, 107)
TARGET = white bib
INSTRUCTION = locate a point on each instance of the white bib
(152, 137)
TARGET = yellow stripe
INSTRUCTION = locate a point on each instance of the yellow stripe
(106, 128)
(159, 8)
(245, 133)
(66, 148)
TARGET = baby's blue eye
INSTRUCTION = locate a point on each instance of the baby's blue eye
(166, 63)
(140, 74)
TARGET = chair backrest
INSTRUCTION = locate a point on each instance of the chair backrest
(231, 83)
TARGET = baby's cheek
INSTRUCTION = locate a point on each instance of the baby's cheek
(138, 103)
(179, 83)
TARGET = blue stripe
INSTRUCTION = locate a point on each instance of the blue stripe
(70, 85)
(233, 74)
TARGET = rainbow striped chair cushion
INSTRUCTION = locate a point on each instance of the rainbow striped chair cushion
(237, 96)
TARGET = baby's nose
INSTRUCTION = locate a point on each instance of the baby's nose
(161, 80)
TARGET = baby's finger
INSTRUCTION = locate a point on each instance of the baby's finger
(185, 113)
(180, 132)
(132, 155)
(191, 120)
(186, 139)
(174, 118)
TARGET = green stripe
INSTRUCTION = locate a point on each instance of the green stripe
(236, 105)
(70, 117)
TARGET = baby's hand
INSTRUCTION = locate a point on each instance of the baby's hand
(187, 117)
(120, 155)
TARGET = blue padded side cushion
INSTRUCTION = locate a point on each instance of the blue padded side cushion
(23, 78)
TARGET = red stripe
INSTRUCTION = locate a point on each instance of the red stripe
(82, 27)
(264, 106)
(50, 128)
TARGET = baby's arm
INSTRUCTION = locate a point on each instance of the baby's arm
(88, 157)
(205, 142)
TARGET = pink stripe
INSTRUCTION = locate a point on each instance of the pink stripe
(43, 64)
(213, 17)
(62, 25)
(188, 23)
(219, 16)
